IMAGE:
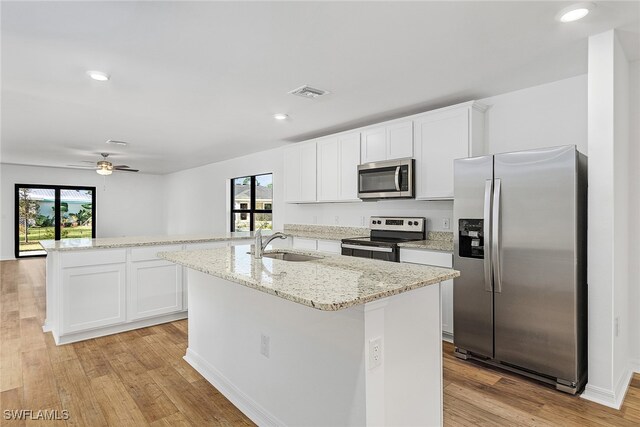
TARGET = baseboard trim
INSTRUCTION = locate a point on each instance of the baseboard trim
(448, 337)
(635, 365)
(611, 398)
(115, 329)
(248, 406)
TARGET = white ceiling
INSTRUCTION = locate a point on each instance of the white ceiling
(197, 82)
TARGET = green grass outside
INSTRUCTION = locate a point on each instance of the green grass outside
(48, 233)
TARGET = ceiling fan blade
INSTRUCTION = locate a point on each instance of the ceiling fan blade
(127, 170)
(122, 166)
(81, 167)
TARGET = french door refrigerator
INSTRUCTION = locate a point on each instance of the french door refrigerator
(520, 247)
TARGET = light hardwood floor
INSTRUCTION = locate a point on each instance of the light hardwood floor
(139, 378)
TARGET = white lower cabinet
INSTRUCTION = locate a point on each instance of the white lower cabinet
(155, 288)
(329, 246)
(93, 295)
(438, 259)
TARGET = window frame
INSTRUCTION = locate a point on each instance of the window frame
(56, 215)
(252, 203)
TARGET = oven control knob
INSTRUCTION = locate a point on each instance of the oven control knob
(410, 222)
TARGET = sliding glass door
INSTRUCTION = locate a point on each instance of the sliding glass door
(48, 212)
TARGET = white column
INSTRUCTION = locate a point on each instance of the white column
(608, 141)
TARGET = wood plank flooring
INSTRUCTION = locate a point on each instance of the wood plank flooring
(138, 378)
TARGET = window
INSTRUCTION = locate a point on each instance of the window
(52, 212)
(252, 203)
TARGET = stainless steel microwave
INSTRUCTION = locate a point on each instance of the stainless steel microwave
(391, 179)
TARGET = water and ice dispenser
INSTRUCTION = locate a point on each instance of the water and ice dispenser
(471, 238)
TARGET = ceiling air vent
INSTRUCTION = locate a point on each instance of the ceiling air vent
(308, 92)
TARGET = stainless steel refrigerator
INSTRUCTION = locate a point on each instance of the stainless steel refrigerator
(520, 246)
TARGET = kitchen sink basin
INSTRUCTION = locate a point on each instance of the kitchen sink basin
(288, 256)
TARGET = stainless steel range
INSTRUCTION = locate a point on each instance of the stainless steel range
(386, 233)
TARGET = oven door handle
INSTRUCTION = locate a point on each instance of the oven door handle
(367, 248)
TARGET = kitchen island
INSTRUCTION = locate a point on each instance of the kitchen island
(330, 341)
(103, 286)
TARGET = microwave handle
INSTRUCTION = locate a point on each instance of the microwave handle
(397, 178)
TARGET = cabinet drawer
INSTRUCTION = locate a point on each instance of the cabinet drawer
(421, 256)
(93, 257)
(148, 253)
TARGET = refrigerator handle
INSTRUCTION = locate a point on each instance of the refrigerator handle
(495, 237)
(488, 282)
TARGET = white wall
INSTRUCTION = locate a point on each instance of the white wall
(608, 244)
(634, 211)
(198, 199)
(127, 204)
(538, 117)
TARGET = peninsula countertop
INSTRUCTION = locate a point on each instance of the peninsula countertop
(329, 283)
(320, 232)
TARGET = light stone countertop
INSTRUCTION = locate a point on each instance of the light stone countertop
(321, 232)
(124, 242)
(330, 283)
(436, 241)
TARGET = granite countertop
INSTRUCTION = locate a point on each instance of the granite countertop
(322, 232)
(124, 242)
(331, 282)
(436, 241)
(325, 232)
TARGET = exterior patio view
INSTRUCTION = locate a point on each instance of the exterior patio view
(37, 216)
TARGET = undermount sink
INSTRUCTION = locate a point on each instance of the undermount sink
(288, 256)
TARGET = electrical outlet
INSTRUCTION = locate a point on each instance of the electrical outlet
(617, 326)
(264, 345)
(337, 219)
(446, 223)
(375, 353)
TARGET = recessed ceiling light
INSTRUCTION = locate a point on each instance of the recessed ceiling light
(113, 141)
(280, 116)
(575, 12)
(98, 75)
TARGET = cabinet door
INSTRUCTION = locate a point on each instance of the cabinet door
(400, 140)
(349, 146)
(441, 138)
(374, 145)
(447, 309)
(93, 296)
(328, 169)
(292, 178)
(155, 288)
(308, 172)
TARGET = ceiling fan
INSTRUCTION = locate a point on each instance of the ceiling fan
(105, 167)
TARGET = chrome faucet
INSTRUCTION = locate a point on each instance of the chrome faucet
(260, 245)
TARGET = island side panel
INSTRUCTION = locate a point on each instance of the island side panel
(315, 371)
(412, 358)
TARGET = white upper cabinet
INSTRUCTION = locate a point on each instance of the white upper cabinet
(400, 140)
(338, 159)
(388, 142)
(441, 136)
(300, 173)
(374, 145)
(349, 149)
